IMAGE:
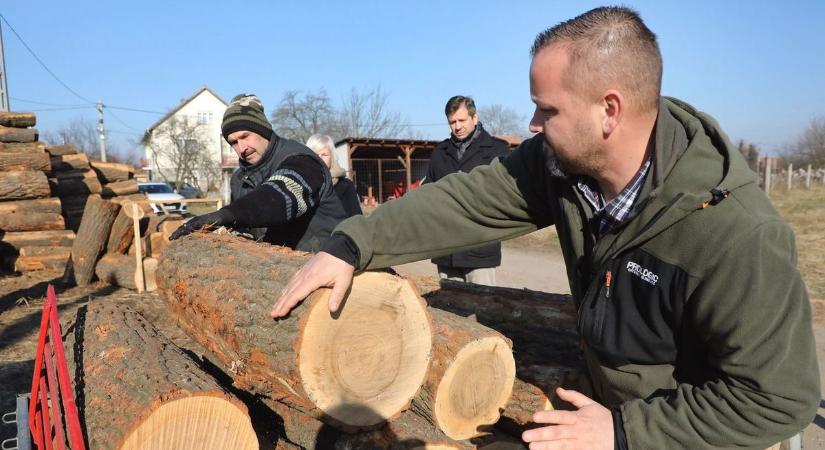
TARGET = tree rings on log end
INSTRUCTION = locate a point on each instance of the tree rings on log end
(475, 388)
(364, 366)
(198, 422)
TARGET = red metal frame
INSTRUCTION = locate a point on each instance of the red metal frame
(46, 422)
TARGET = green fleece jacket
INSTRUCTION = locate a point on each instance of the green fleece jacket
(696, 321)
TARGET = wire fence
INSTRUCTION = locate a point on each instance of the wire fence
(380, 180)
(773, 178)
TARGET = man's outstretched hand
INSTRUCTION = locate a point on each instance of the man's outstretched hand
(589, 427)
(322, 270)
(207, 222)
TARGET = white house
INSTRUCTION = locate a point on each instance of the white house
(193, 127)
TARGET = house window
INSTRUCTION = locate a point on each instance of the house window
(204, 118)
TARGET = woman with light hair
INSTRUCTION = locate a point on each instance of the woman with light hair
(323, 146)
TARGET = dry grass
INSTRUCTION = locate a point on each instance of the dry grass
(805, 211)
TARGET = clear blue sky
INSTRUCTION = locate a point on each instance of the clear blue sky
(758, 67)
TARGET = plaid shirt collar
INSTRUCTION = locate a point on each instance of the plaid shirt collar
(617, 210)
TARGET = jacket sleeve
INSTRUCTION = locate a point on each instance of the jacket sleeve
(461, 211)
(752, 312)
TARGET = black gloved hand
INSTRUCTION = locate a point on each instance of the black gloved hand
(220, 218)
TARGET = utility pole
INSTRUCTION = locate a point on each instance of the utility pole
(4, 89)
(102, 131)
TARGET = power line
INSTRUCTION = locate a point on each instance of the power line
(122, 122)
(61, 109)
(34, 102)
(123, 108)
(44, 64)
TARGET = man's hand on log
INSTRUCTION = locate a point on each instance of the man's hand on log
(322, 270)
(219, 218)
(589, 427)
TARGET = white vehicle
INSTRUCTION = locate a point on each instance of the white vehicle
(158, 190)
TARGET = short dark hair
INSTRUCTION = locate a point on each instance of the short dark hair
(456, 102)
(609, 46)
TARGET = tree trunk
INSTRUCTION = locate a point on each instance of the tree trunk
(91, 239)
(70, 161)
(120, 188)
(23, 185)
(8, 134)
(41, 205)
(30, 147)
(11, 161)
(59, 150)
(541, 326)
(119, 270)
(67, 187)
(112, 172)
(470, 377)
(354, 370)
(121, 235)
(41, 258)
(135, 389)
(58, 238)
(17, 119)
(31, 221)
(526, 400)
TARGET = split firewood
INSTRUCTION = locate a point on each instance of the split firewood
(21, 185)
(31, 221)
(10, 134)
(373, 356)
(11, 161)
(119, 270)
(136, 390)
(17, 119)
(91, 239)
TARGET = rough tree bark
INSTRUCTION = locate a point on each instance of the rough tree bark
(118, 188)
(119, 270)
(10, 161)
(92, 235)
(31, 221)
(57, 238)
(70, 161)
(372, 357)
(69, 187)
(9, 134)
(41, 258)
(21, 185)
(17, 119)
(42, 205)
(112, 172)
(36, 147)
(58, 150)
(135, 389)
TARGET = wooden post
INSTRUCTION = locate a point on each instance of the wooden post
(408, 165)
(790, 176)
(380, 184)
(808, 178)
(136, 214)
(767, 176)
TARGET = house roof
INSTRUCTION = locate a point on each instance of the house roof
(386, 142)
(181, 105)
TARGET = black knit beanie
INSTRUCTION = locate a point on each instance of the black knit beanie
(246, 112)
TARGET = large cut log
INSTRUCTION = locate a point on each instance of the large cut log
(119, 270)
(91, 239)
(48, 258)
(25, 161)
(470, 377)
(40, 205)
(17, 119)
(57, 150)
(371, 357)
(31, 221)
(21, 185)
(136, 390)
(33, 147)
(120, 188)
(70, 161)
(57, 238)
(121, 234)
(68, 187)
(541, 326)
(109, 172)
(9, 134)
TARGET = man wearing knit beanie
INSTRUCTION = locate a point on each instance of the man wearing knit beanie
(281, 193)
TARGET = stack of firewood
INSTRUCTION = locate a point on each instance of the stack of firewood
(33, 234)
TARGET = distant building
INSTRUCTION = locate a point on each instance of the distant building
(193, 126)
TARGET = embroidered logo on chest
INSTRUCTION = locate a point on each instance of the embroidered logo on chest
(642, 273)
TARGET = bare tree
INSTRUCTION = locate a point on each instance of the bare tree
(367, 115)
(300, 115)
(809, 147)
(500, 120)
(83, 134)
(180, 153)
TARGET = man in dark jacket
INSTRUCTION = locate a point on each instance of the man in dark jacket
(695, 322)
(281, 193)
(468, 147)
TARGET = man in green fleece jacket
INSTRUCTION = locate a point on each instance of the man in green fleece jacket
(696, 323)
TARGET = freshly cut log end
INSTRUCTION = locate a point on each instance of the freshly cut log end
(365, 366)
(195, 423)
(475, 388)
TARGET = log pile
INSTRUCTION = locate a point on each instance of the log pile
(387, 372)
